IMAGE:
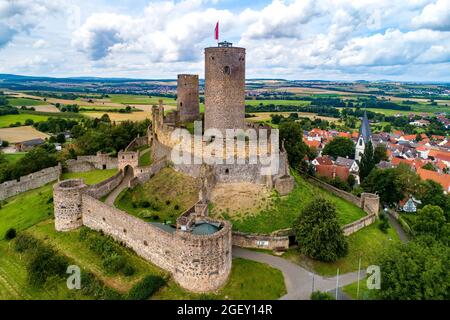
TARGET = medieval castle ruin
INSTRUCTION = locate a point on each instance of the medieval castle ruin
(198, 249)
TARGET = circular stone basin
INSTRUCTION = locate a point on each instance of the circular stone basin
(204, 228)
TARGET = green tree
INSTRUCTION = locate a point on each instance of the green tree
(61, 138)
(339, 146)
(318, 230)
(431, 192)
(367, 161)
(429, 166)
(380, 153)
(430, 221)
(292, 135)
(415, 271)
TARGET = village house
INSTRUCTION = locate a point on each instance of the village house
(28, 144)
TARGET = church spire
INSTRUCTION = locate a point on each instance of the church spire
(365, 131)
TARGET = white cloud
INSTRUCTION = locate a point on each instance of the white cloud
(434, 16)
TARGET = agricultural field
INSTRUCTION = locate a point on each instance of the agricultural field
(120, 117)
(9, 119)
(278, 102)
(18, 134)
(280, 212)
(266, 116)
(366, 244)
(128, 99)
(19, 102)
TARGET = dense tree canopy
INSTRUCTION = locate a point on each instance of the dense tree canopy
(318, 231)
(367, 161)
(415, 271)
(339, 147)
(380, 153)
(292, 135)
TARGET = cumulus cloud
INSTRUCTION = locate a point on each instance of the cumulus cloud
(166, 32)
(434, 16)
(22, 16)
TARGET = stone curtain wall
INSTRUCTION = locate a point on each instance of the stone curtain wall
(198, 263)
(32, 181)
(260, 241)
(88, 163)
(105, 187)
(357, 225)
(338, 192)
(143, 174)
(136, 143)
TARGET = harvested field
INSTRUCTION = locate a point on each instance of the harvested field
(265, 116)
(119, 117)
(19, 134)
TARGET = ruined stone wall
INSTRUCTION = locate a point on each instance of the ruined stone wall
(260, 241)
(357, 225)
(340, 193)
(198, 263)
(187, 97)
(136, 143)
(67, 200)
(32, 181)
(87, 163)
(105, 187)
(224, 88)
(370, 203)
(143, 174)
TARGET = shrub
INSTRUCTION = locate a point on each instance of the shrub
(145, 288)
(10, 234)
(167, 202)
(176, 207)
(318, 295)
(145, 204)
(24, 242)
(113, 263)
(128, 270)
(44, 263)
(384, 223)
(155, 217)
(91, 286)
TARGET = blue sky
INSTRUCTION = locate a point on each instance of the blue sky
(296, 39)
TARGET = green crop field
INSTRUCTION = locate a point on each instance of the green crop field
(8, 119)
(366, 244)
(140, 99)
(18, 102)
(278, 102)
(284, 210)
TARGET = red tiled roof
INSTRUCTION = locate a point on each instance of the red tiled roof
(409, 137)
(438, 154)
(332, 171)
(312, 143)
(441, 178)
(421, 148)
(324, 160)
(344, 134)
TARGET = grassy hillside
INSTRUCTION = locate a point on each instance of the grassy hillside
(163, 198)
(284, 210)
(14, 157)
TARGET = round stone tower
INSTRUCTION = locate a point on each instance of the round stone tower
(224, 87)
(187, 97)
(67, 200)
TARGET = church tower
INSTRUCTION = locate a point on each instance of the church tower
(365, 135)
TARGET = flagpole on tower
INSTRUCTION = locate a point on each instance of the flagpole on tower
(216, 33)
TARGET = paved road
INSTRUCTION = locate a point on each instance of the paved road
(297, 279)
(124, 184)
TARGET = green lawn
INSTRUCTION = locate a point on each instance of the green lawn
(249, 280)
(284, 210)
(13, 280)
(168, 193)
(140, 99)
(14, 157)
(18, 102)
(364, 292)
(8, 119)
(367, 243)
(91, 177)
(145, 159)
(28, 208)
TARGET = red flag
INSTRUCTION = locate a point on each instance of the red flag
(216, 31)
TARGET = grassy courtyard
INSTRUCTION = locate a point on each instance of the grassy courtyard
(162, 198)
(14, 157)
(281, 212)
(91, 177)
(366, 244)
